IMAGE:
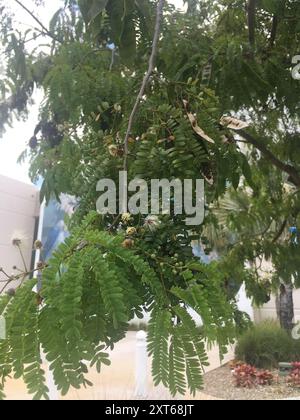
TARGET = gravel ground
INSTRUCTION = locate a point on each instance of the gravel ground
(219, 383)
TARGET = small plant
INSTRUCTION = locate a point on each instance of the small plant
(247, 376)
(294, 377)
(264, 377)
(296, 365)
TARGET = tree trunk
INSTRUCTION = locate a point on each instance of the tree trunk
(285, 307)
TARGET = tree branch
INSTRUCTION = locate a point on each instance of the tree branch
(17, 101)
(283, 226)
(45, 30)
(280, 232)
(22, 258)
(274, 30)
(251, 21)
(290, 170)
(9, 50)
(159, 16)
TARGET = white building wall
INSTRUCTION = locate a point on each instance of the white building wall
(244, 303)
(19, 210)
(268, 311)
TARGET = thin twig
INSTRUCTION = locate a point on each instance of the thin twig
(3, 288)
(276, 20)
(2, 271)
(113, 54)
(19, 276)
(251, 21)
(23, 259)
(47, 32)
(274, 30)
(159, 16)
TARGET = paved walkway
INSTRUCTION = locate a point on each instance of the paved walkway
(117, 381)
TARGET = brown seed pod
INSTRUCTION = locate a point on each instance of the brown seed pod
(126, 217)
(116, 151)
(39, 299)
(113, 150)
(38, 245)
(128, 243)
(16, 242)
(33, 143)
(11, 292)
(41, 265)
(131, 231)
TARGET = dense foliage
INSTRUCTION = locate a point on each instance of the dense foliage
(266, 345)
(218, 59)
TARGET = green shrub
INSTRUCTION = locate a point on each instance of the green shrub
(265, 345)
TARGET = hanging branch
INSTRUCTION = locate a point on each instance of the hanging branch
(9, 50)
(283, 226)
(275, 23)
(251, 21)
(159, 16)
(44, 29)
(290, 170)
(15, 278)
(280, 232)
(113, 55)
(22, 258)
(274, 30)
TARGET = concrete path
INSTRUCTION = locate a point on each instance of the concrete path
(116, 382)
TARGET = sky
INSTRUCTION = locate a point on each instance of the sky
(14, 140)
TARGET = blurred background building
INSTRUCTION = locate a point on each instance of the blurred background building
(19, 219)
